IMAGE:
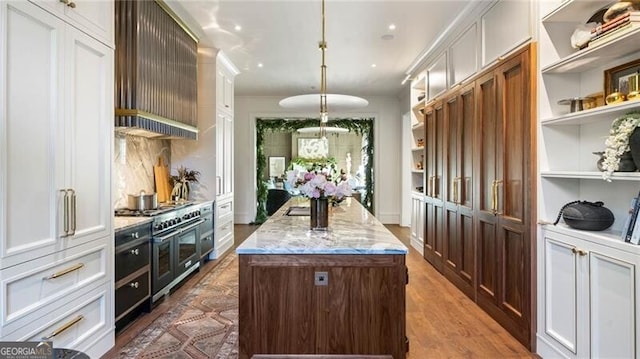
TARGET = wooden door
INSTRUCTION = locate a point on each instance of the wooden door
(506, 175)
(434, 204)
(459, 243)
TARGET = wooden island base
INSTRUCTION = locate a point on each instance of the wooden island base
(358, 307)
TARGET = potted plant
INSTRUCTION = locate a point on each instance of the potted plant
(181, 182)
(623, 138)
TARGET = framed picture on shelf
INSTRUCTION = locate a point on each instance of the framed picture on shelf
(622, 78)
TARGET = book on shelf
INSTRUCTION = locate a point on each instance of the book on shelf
(635, 231)
(633, 219)
(627, 222)
(613, 34)
(611, 24)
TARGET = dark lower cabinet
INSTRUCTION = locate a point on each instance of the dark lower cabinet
(480, 198)
(132, 273)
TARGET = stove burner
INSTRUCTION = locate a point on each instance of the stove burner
(163, 208)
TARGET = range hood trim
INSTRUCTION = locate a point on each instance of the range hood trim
(150, 116)
(146, 131)
(178, 20)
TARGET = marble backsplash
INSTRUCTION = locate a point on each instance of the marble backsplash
(134, 158)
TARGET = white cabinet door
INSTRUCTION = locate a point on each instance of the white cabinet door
(612, 285)
(560, 290)
(31, 155)
(224, 154)
(89, 104)
(96, 18)
(589, 294)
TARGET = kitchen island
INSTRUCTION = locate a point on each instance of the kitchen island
(336, 292)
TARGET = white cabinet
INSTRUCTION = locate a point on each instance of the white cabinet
(224, 151)
(225, 83)
(56, 133)
(516, 16)
(588, 291)
(598, 282)
(417, 222)
(93, 17)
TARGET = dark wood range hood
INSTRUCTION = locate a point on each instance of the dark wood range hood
(156, 72)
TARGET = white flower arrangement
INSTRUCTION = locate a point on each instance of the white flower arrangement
(618, 142)
(316, 185)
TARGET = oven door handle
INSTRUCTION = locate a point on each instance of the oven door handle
(200, 221)
(177, 231)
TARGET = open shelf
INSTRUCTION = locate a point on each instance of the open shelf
(608, 237)
(571, 10)
(595, 57)
(592, 175)
(417, 149)
(602, 113)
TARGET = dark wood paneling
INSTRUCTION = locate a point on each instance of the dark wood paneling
(487, 260)
(360, 311)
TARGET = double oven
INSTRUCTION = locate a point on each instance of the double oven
(175, 242)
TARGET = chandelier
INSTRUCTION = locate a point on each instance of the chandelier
(324, 114)
(337, 101)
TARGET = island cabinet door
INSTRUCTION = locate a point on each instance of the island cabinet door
(322, 304)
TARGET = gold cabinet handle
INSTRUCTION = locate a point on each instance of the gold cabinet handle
(66, 2)
(435, 186)
(64, 327)
(494, 194)
(580, 252)
(74, 213)
(497, 209)
(65, 271)
(456, 190)
(65, 218)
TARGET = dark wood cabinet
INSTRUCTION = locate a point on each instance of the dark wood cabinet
(480, 198)
(459, 256)
(434, 174)
(505, 191)
(360, 308)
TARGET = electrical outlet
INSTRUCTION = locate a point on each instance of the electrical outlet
(322, 278)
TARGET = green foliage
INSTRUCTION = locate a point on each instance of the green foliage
(362, 127)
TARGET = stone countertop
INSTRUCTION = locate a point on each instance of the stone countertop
(122, 223)
(352, 230)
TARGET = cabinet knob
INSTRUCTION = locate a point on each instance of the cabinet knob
(135, 251)
(134, 284)
(578, 251)
(135, 235)
(72, 5)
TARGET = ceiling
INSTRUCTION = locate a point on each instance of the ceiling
(283, 37)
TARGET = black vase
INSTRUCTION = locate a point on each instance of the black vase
(634, 145)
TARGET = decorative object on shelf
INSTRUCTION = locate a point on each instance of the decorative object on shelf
(181, 183)
(615, 97)
(626, 162)
(316, 186)
(420, 142)
(619, 141)
(597, 102)
(420, 163)
(622, 80)
(577, 103)
(618, 9)
(585, 215)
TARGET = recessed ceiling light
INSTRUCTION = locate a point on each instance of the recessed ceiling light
(238, 27)
(373, 65)
(387, 37)
(392, 27)
(260, 64)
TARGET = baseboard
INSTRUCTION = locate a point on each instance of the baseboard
(243, 218)
(417, 245)
(388, 218)
(545, 350)
(221, 248)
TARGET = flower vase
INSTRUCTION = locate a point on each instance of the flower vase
(319, 214)
(634, 145)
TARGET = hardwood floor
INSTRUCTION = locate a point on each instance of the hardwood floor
(441, 321)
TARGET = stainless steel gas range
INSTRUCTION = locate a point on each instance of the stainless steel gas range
(175, 242)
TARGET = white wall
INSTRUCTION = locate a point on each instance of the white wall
(387, 141)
